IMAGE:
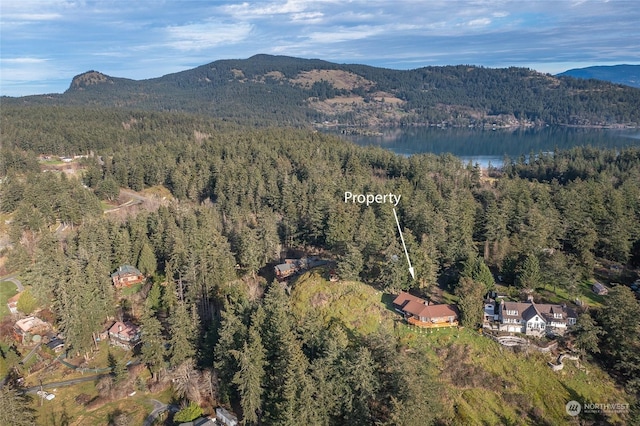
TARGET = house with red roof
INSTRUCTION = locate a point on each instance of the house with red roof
(420, 312)
(124, 334)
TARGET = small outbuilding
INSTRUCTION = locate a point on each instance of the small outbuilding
(599, 289)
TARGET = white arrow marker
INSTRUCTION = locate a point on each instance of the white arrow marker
(411, 271)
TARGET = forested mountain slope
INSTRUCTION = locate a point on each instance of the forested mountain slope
(277, 89)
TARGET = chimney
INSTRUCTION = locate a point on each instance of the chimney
(119, 327)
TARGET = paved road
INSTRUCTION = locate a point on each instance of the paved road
(12, 278)
(31, 353)
(158, 408)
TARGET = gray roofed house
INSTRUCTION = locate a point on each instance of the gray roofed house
(201, 421)
(285, 270)
(535, 318)
(126, 276)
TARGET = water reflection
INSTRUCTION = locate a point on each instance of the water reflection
(491, 146)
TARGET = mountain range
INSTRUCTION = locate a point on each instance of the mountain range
(628, 75)
(268, 90)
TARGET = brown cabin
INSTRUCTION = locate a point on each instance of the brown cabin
(126, 276)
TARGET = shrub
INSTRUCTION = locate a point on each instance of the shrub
(188, 413)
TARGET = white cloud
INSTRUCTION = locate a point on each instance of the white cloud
(307, 17)
(32, 16)
(345, 34)
(25, 60)
(206, 35)
(480, 22)
(248, 10)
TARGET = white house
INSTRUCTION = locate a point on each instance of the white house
(535, 318)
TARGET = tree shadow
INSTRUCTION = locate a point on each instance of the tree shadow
(63, 420)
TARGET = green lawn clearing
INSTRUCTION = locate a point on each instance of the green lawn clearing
(7, 290)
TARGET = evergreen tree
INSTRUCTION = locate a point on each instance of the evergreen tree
(394, 270)
(587, 334)
(477, 270)
(231, 337)
(250, 375)
(119, 371)
(620, 322)
(15, 408)
(483, 274)
(153, 343)
(27, 303)
(184, 330)
(470, 295)
(249, 253)
(350, 263)
(288, 389)
(529, 274)
(363, 381)
(147, 262)
(153, 300)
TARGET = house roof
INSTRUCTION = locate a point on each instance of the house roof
(403, 298)
(284, 267)
(528, 310)
(30, 323)
(430, 311)
(201, 421)
(126, 270)
(55, 343)
(599, 288)
(124, 329)
(531, 312)
(414, 305)
(223, 412)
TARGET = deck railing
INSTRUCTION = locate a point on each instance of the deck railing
(418, 323)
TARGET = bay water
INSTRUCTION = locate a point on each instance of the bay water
(490, 147)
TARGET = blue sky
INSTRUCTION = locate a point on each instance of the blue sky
(44, 43)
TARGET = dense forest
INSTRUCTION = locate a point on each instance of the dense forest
(269, 90)
(240, 196)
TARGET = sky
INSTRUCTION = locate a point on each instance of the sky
(45, 43)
